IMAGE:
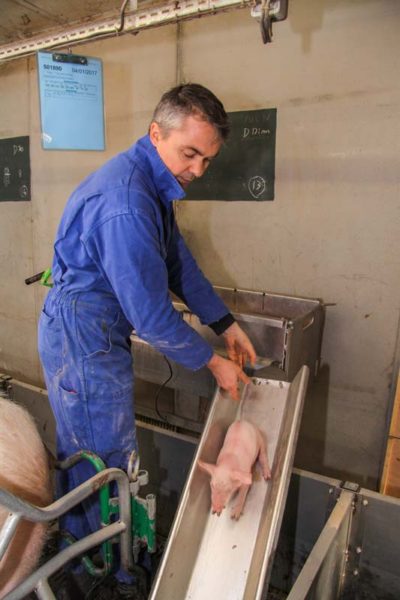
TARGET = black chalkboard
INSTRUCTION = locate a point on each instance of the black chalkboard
(245, 166)
(15, 171)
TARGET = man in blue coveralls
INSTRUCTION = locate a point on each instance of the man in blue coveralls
(118, 252)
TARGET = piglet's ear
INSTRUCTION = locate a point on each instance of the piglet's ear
(242, 477)
(207, 467)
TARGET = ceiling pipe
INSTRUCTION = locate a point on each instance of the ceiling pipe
(132, 22)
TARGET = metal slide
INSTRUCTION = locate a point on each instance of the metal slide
(216, 557)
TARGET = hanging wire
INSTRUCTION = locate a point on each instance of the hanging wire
(160, 389)
(121, 24)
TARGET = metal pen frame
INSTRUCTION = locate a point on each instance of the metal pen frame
(20, 509)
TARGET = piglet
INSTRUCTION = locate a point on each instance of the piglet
(243, 444)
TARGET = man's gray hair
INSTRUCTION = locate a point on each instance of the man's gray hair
(191, 99)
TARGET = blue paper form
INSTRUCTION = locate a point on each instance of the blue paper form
(71, 101)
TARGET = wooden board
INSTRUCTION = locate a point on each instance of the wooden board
(390, 482)
(395, 423)
(391, 473)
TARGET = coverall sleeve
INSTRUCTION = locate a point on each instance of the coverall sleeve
(187, 281)
(127, 250)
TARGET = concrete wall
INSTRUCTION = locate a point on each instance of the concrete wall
(331, 232)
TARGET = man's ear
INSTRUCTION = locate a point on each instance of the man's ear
(155, 133)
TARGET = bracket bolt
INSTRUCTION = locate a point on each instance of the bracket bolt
(365, 502)
(358, 549)
(355, 572)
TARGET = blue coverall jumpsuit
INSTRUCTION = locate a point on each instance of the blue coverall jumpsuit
(117, 252)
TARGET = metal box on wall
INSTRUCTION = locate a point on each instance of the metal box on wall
(285, 329)
(286, 332)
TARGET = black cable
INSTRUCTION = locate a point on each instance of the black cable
(160, 389)
(120, 27)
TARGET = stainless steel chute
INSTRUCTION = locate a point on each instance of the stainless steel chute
(210, 556)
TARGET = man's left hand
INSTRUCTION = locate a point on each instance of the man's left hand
(238, 346)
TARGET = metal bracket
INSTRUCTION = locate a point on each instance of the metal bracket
(266, 12)
(350, 486)
(349, 583)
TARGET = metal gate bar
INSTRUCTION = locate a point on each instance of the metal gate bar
(38, 579)
(322, 574)
(21, 509)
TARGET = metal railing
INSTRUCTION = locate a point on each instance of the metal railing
(20, 509)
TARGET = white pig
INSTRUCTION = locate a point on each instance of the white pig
(243, 444)
(24, 471)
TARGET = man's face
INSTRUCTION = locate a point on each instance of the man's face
(188, 150)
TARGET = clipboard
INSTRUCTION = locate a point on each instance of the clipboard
(71, 101)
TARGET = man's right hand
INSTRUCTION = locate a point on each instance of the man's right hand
(228, 374)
